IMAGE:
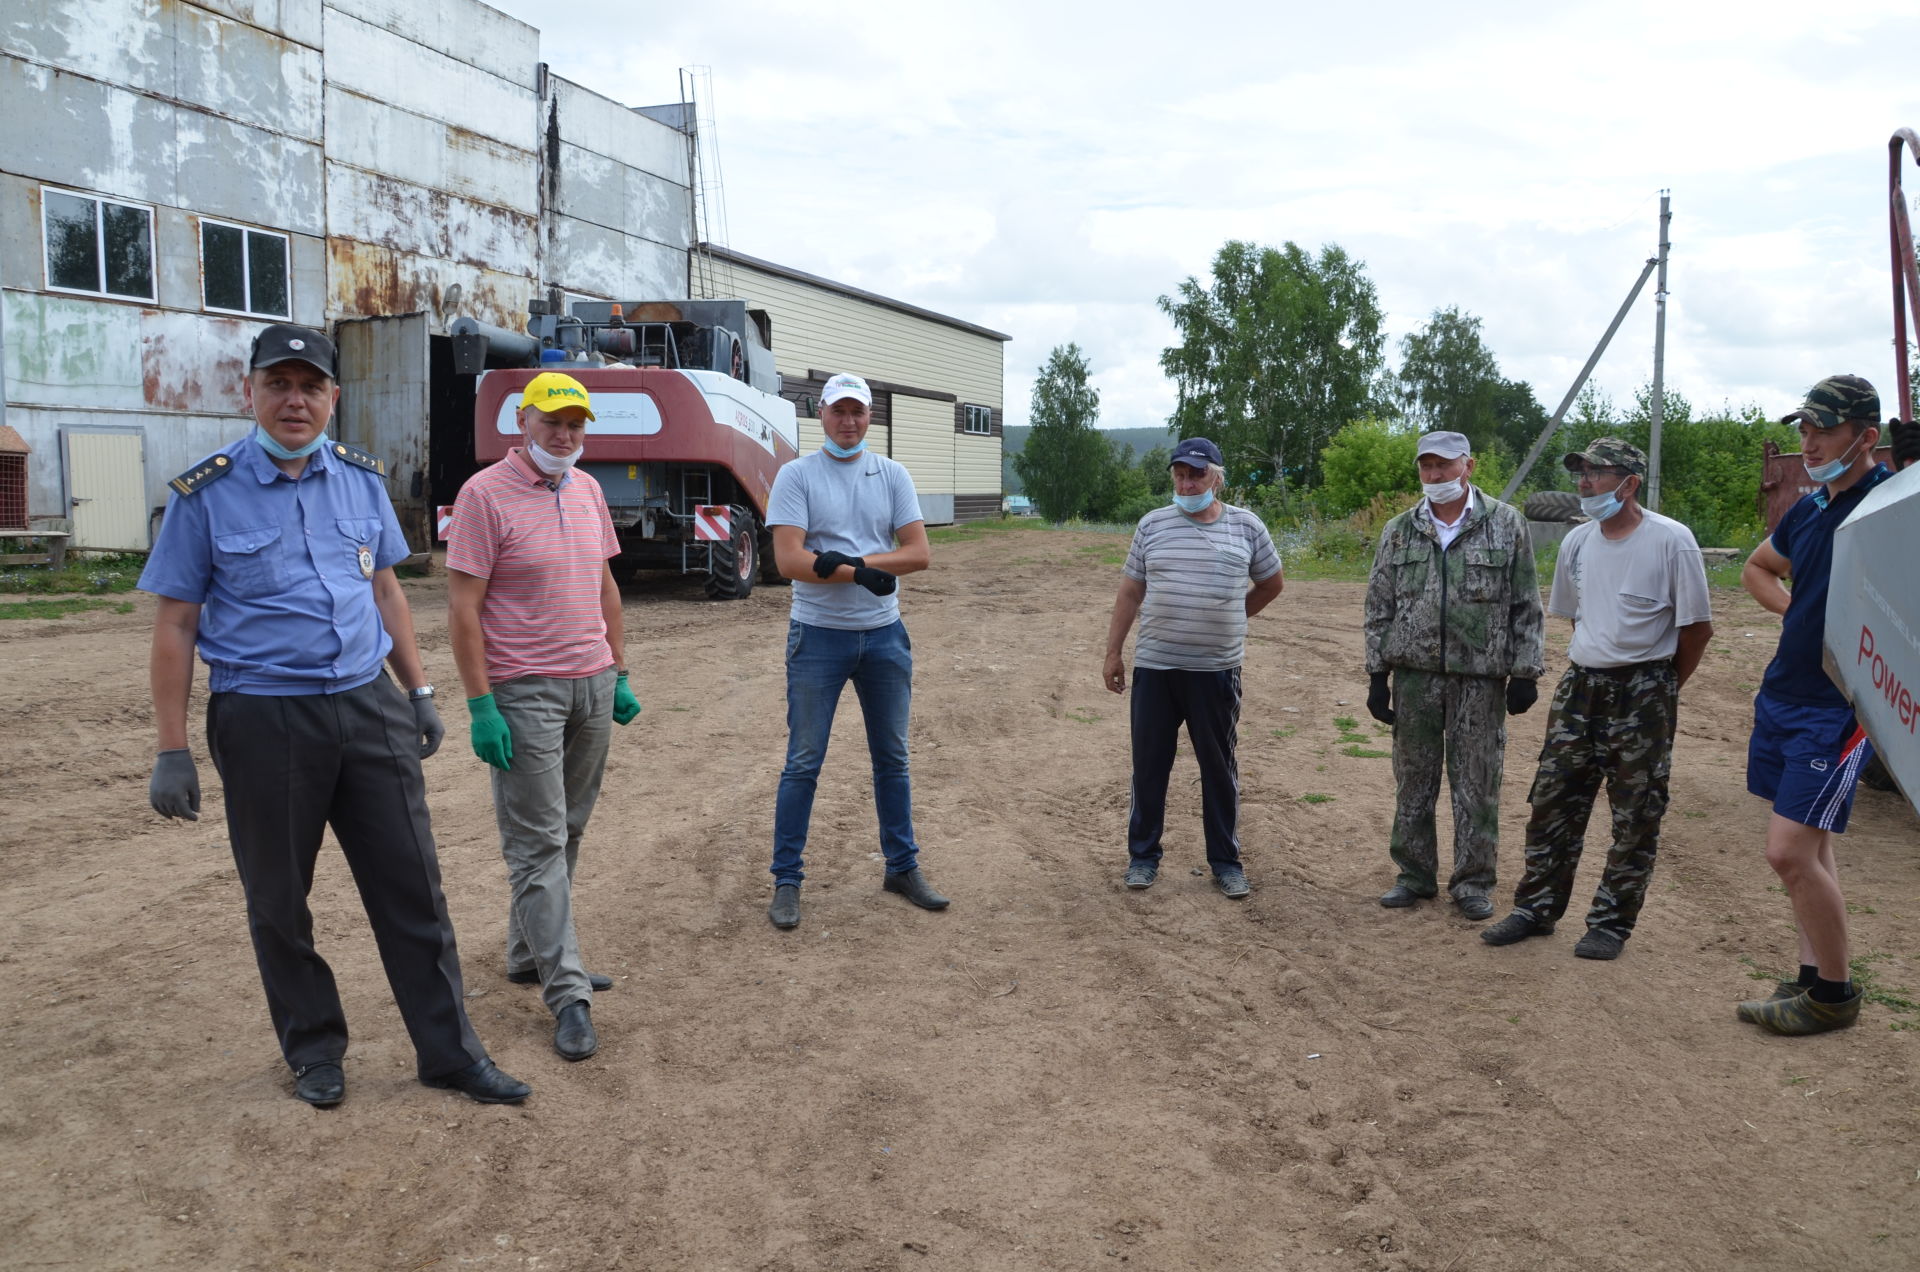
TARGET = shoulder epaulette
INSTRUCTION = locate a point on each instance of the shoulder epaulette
(359, 458)
(200, 474)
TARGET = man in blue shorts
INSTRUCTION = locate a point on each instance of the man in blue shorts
(1807, 750)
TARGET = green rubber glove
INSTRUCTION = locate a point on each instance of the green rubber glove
(625, 705)
(492, 739)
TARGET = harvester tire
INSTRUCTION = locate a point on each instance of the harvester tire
(770, 575)
(737, 561)
(1553, 505)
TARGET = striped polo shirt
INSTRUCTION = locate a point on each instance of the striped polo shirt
(1194, 616)
(542, 550)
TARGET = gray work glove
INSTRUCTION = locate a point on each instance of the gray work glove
(426, 722)
(174, 789)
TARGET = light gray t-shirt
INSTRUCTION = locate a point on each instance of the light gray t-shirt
(1629, 598)
(1194, 616)
(851, 506)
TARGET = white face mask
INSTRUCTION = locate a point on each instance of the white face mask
(1444, 492)
(552, 465)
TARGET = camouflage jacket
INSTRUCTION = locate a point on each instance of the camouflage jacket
(1473, 609)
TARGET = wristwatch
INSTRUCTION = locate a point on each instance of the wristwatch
(424, 691)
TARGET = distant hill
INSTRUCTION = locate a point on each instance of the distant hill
(1141, 439)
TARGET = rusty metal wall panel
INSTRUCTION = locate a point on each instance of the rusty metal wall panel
(387, 67)
(230, 170)
(488, 38)
(413, 218)
(375, 136)
(363, 280)
(385, 408)
(609, 193)
(605, 127)
(298, 20)
(591, 258)
(193, 362)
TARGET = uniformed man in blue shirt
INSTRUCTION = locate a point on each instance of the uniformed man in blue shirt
(276, 558)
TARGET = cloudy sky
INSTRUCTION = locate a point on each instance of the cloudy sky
(1050, 169)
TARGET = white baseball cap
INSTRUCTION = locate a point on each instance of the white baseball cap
(846, 386)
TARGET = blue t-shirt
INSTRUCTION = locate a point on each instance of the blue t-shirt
(277, 567)
(1805, 538)
(852, 506)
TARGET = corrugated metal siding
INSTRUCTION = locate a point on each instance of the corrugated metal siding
(976, 464)
(374, 136)
(415, 77)
(923, 441)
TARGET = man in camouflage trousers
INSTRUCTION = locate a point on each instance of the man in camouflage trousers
(1633, 584)
(1453, 617)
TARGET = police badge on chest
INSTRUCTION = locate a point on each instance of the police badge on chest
(366, 561)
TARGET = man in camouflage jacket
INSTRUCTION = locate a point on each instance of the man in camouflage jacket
(1453, 616)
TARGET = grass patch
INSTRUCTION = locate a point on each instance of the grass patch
(1346, 724)
(1287, 732)
(118, 572)
(1353, 737)
(1314, 797)
(1085, 717)
(1868, 981)
(1726, 574)
(1757, 972)
(61, 607)
(1359, 752)
(967, 531)
(1382, 730)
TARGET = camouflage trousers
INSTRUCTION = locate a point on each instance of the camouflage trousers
(1613, 725)
(1460, 721)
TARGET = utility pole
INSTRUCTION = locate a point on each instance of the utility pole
(1658, 406)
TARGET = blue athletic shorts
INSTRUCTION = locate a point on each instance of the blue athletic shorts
(1807, 760)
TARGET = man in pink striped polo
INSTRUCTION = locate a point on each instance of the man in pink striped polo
(537, 636)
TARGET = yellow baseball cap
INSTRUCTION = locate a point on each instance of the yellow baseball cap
(550, 391)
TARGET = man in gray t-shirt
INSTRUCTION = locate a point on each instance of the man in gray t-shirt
(1633, 584)
(1186, 579)
(846, 523)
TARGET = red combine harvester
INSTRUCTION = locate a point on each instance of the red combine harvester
(688, 430)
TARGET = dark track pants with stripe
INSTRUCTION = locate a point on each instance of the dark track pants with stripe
(1208, 703)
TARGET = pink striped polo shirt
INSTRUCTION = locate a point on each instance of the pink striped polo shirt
(543, 553)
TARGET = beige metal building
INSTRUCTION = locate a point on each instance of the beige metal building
(938, 381)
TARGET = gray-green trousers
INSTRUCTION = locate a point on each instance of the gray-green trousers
(1461, 721)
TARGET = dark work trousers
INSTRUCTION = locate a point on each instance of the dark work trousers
(291, 767)
(1208, 703)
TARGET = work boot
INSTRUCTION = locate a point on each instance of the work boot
(1141, 874)
(1599, 943)
(1233, 882)
(1800, 1014)
(912, 884)
(1782, 991)
(573, 1035)
(785, 910)
(1400, 896)
(1474, 906)
(1517, 926)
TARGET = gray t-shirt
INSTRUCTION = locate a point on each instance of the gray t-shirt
(1194, 616)
(1629, 598)
(852, 506)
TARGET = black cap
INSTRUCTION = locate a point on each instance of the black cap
(283, 342)
(1196, 452)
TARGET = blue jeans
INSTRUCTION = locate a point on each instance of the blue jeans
(820, 661)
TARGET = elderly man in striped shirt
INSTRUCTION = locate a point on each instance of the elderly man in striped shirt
(1187, 580)
(537, 636)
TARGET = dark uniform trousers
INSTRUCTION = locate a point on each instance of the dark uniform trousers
(291, 767)
(1614, 725)
(1208, 703)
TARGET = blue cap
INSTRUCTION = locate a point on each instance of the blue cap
(1196, 452)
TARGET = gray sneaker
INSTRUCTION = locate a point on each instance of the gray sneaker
(1233, 882)
(1141, 874)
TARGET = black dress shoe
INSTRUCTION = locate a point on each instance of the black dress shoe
(483, 1081)
(912, 884)
(601, 984)
(1400, 896)
(321, 1084)
(785, 910)
(573, 1035)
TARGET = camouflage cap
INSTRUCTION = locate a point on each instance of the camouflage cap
(1837, 398)
(1608, 452)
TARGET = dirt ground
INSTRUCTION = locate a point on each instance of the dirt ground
(1054, 1073)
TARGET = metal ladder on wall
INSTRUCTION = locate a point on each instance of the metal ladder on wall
(706, 277)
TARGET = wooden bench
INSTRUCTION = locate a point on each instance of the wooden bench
(53, 533)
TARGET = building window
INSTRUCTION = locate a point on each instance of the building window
(243, 271)
(97, 246)
(977, 419)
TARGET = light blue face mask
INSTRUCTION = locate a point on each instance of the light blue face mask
(843, 452)
(1191, 504)
(1827, 472)
(1600, 507)
(275, 449)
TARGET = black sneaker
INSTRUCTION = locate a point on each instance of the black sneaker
(1517, 926)
(1141, 874)
(1233, 882)
(1599, 943)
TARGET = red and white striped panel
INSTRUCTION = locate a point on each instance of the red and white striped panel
(442, 518)
(712, 523)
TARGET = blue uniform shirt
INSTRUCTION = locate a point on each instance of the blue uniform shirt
(1805, 538)
(276, 566)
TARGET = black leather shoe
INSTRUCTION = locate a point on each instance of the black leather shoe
(912, 884)
(484, 1082)
(321, 1084)
(1475, 907)
(785, 910)
(601, 984)
(1400, 896)
(573, 1035)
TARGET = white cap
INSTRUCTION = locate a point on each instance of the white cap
(846, 386)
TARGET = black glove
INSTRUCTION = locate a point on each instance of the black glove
(825, 563)
(426, 722)
(1521, 694)
(1380, 698)
(174, 790)
(879, 582)
(1906, 442)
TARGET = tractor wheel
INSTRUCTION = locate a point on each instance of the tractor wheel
(736, 561)
(1553, 505)
(770, 575)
